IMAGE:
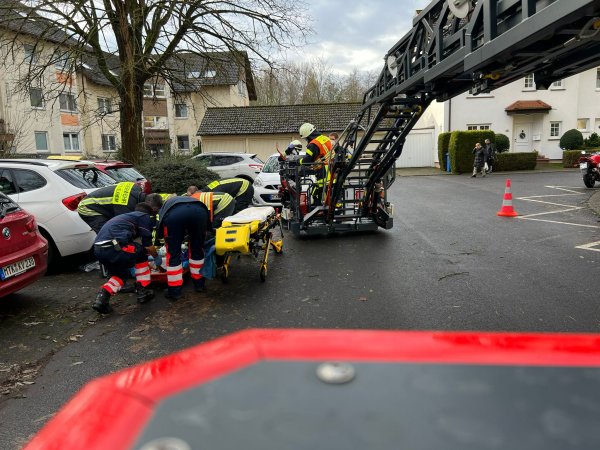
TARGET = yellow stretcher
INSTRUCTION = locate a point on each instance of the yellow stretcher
(250, 231)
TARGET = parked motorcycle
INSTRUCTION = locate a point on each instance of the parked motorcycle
(589, 166)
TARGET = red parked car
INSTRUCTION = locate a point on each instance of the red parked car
(122, 171)
(23, 250)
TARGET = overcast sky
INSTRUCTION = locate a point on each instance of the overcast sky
(357, 34)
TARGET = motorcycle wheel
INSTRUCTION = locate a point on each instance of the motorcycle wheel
(588, 180)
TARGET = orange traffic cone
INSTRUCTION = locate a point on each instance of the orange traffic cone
(507, 206)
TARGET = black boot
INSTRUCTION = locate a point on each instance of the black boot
(127, 289)
(101, 304)
(174, 293)
(199, 285)
(143, 294)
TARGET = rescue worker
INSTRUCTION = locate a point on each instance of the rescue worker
(105, 203)
(318, 150)
(181, 216)
(219, 204)
(124, 242)
(239, 188)
(294, 148)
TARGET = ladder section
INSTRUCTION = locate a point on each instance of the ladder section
(357, 187)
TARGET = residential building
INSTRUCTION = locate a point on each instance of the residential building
(533, 119)
(72, 109)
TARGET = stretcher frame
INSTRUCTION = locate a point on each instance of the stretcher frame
(260, 241)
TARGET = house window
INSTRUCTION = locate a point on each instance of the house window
(31, 54)
(241, 86)
(41, 141)
(478, 127)
(557, 85)
(62, 62)
(181, 111)
(529, 82)
(36, 97)
(555, 129)
(109, 142)
(154, 122)
(67, 102)
(154, 90)
(210, 73)
(583, 124)
(71, 141)
(183, 143)
(104, 106)
(193, 74)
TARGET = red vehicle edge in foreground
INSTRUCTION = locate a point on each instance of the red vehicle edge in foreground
(122, 171)
(479, 376)
(23, 250)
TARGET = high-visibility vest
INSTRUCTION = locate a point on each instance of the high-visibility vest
(244, 185)
(103, 201)
(214, 201)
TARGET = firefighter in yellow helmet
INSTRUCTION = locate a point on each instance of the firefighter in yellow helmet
(318, 155)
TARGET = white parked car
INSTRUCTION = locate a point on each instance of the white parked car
(267, 182)
(51, 190)
(231, 165)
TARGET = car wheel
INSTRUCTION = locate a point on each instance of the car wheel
(53, 253)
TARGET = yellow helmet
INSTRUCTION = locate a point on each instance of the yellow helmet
(306, 130)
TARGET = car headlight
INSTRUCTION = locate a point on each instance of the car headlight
(258, 182)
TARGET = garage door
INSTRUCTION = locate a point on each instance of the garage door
(418, 151)
(223, 145)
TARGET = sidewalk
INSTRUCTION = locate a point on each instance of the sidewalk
(431, 171)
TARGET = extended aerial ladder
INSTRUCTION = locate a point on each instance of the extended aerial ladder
(454, 46)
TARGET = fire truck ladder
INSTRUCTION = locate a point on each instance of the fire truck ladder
(454, 46)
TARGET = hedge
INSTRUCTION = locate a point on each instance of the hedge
(571, 140)
(571, 157)
(175, 173)
(515, 161)
(502, 143)
(461, 145)
(443, 141)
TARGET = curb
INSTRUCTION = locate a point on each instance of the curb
(594, 203)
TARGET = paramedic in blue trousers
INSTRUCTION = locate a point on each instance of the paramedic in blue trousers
(180, 217)
(124, 242)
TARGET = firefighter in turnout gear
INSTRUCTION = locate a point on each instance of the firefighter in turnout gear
(180, 217)
(318, 154)
(219, 204)
(240, 189)
(124, 242)
(105, 203)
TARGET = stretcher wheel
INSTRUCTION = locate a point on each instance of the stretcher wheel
(224, 274)
(263, 273)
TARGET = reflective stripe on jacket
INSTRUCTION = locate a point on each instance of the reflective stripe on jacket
(318, 149)
(111, 201)
(232, 186)
(214, 201)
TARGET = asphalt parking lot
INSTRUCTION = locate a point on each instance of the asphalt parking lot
(449, 263)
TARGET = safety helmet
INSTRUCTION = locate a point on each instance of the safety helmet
(306, 130)
(296, 144)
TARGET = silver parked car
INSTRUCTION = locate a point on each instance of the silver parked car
(231, 165)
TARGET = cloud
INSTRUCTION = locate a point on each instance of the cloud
(352, 34)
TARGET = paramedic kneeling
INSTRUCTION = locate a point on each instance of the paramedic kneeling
(118, 248)
(181, 216)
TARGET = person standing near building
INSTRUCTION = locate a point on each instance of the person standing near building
(180, 217)
(122, 243)
(479, 161)
(240, 189)
(490, 149)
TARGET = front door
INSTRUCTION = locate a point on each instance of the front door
(522, 137)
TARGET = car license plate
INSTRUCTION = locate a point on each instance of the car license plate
(275, 197)
(16, 268)
(583, 165)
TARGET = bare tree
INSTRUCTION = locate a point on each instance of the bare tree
(134, 42)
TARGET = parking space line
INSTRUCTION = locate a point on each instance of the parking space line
(590, 246)
(568, 208)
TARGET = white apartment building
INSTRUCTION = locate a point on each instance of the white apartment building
(534, 120)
